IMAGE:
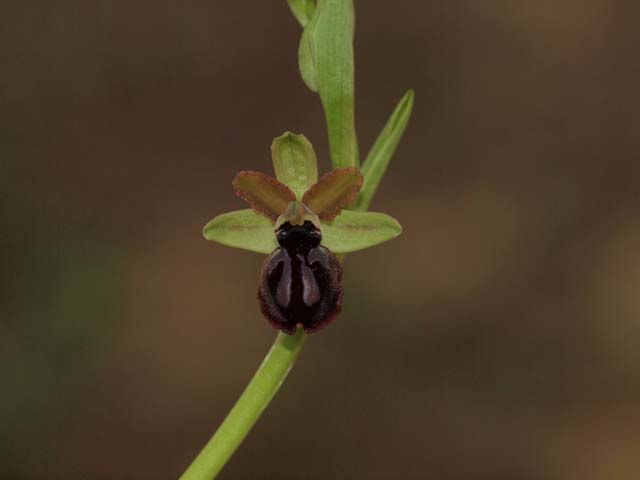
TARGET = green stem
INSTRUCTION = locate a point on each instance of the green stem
(244, 414)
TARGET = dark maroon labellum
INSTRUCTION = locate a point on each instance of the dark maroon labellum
(301, 282)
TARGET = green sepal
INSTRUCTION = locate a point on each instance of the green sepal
(383, 149)
(303, 10)
(294, 162)
(352, 231)
(244, 229)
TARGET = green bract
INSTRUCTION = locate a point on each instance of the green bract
(296, 195)
(302, 10)
(325, 57)
(383, 149)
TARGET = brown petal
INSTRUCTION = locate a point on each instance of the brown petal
(263, 193)
(333, 192)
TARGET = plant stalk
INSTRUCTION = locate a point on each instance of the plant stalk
(244, 414)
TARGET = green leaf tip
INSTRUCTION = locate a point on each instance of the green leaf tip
(352, 231)
(303, 10)
(294, 162)
(383, 149)
(245, 229)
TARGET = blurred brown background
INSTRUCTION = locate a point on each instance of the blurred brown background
(497, 339)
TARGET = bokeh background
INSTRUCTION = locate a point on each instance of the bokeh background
(497, 339)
